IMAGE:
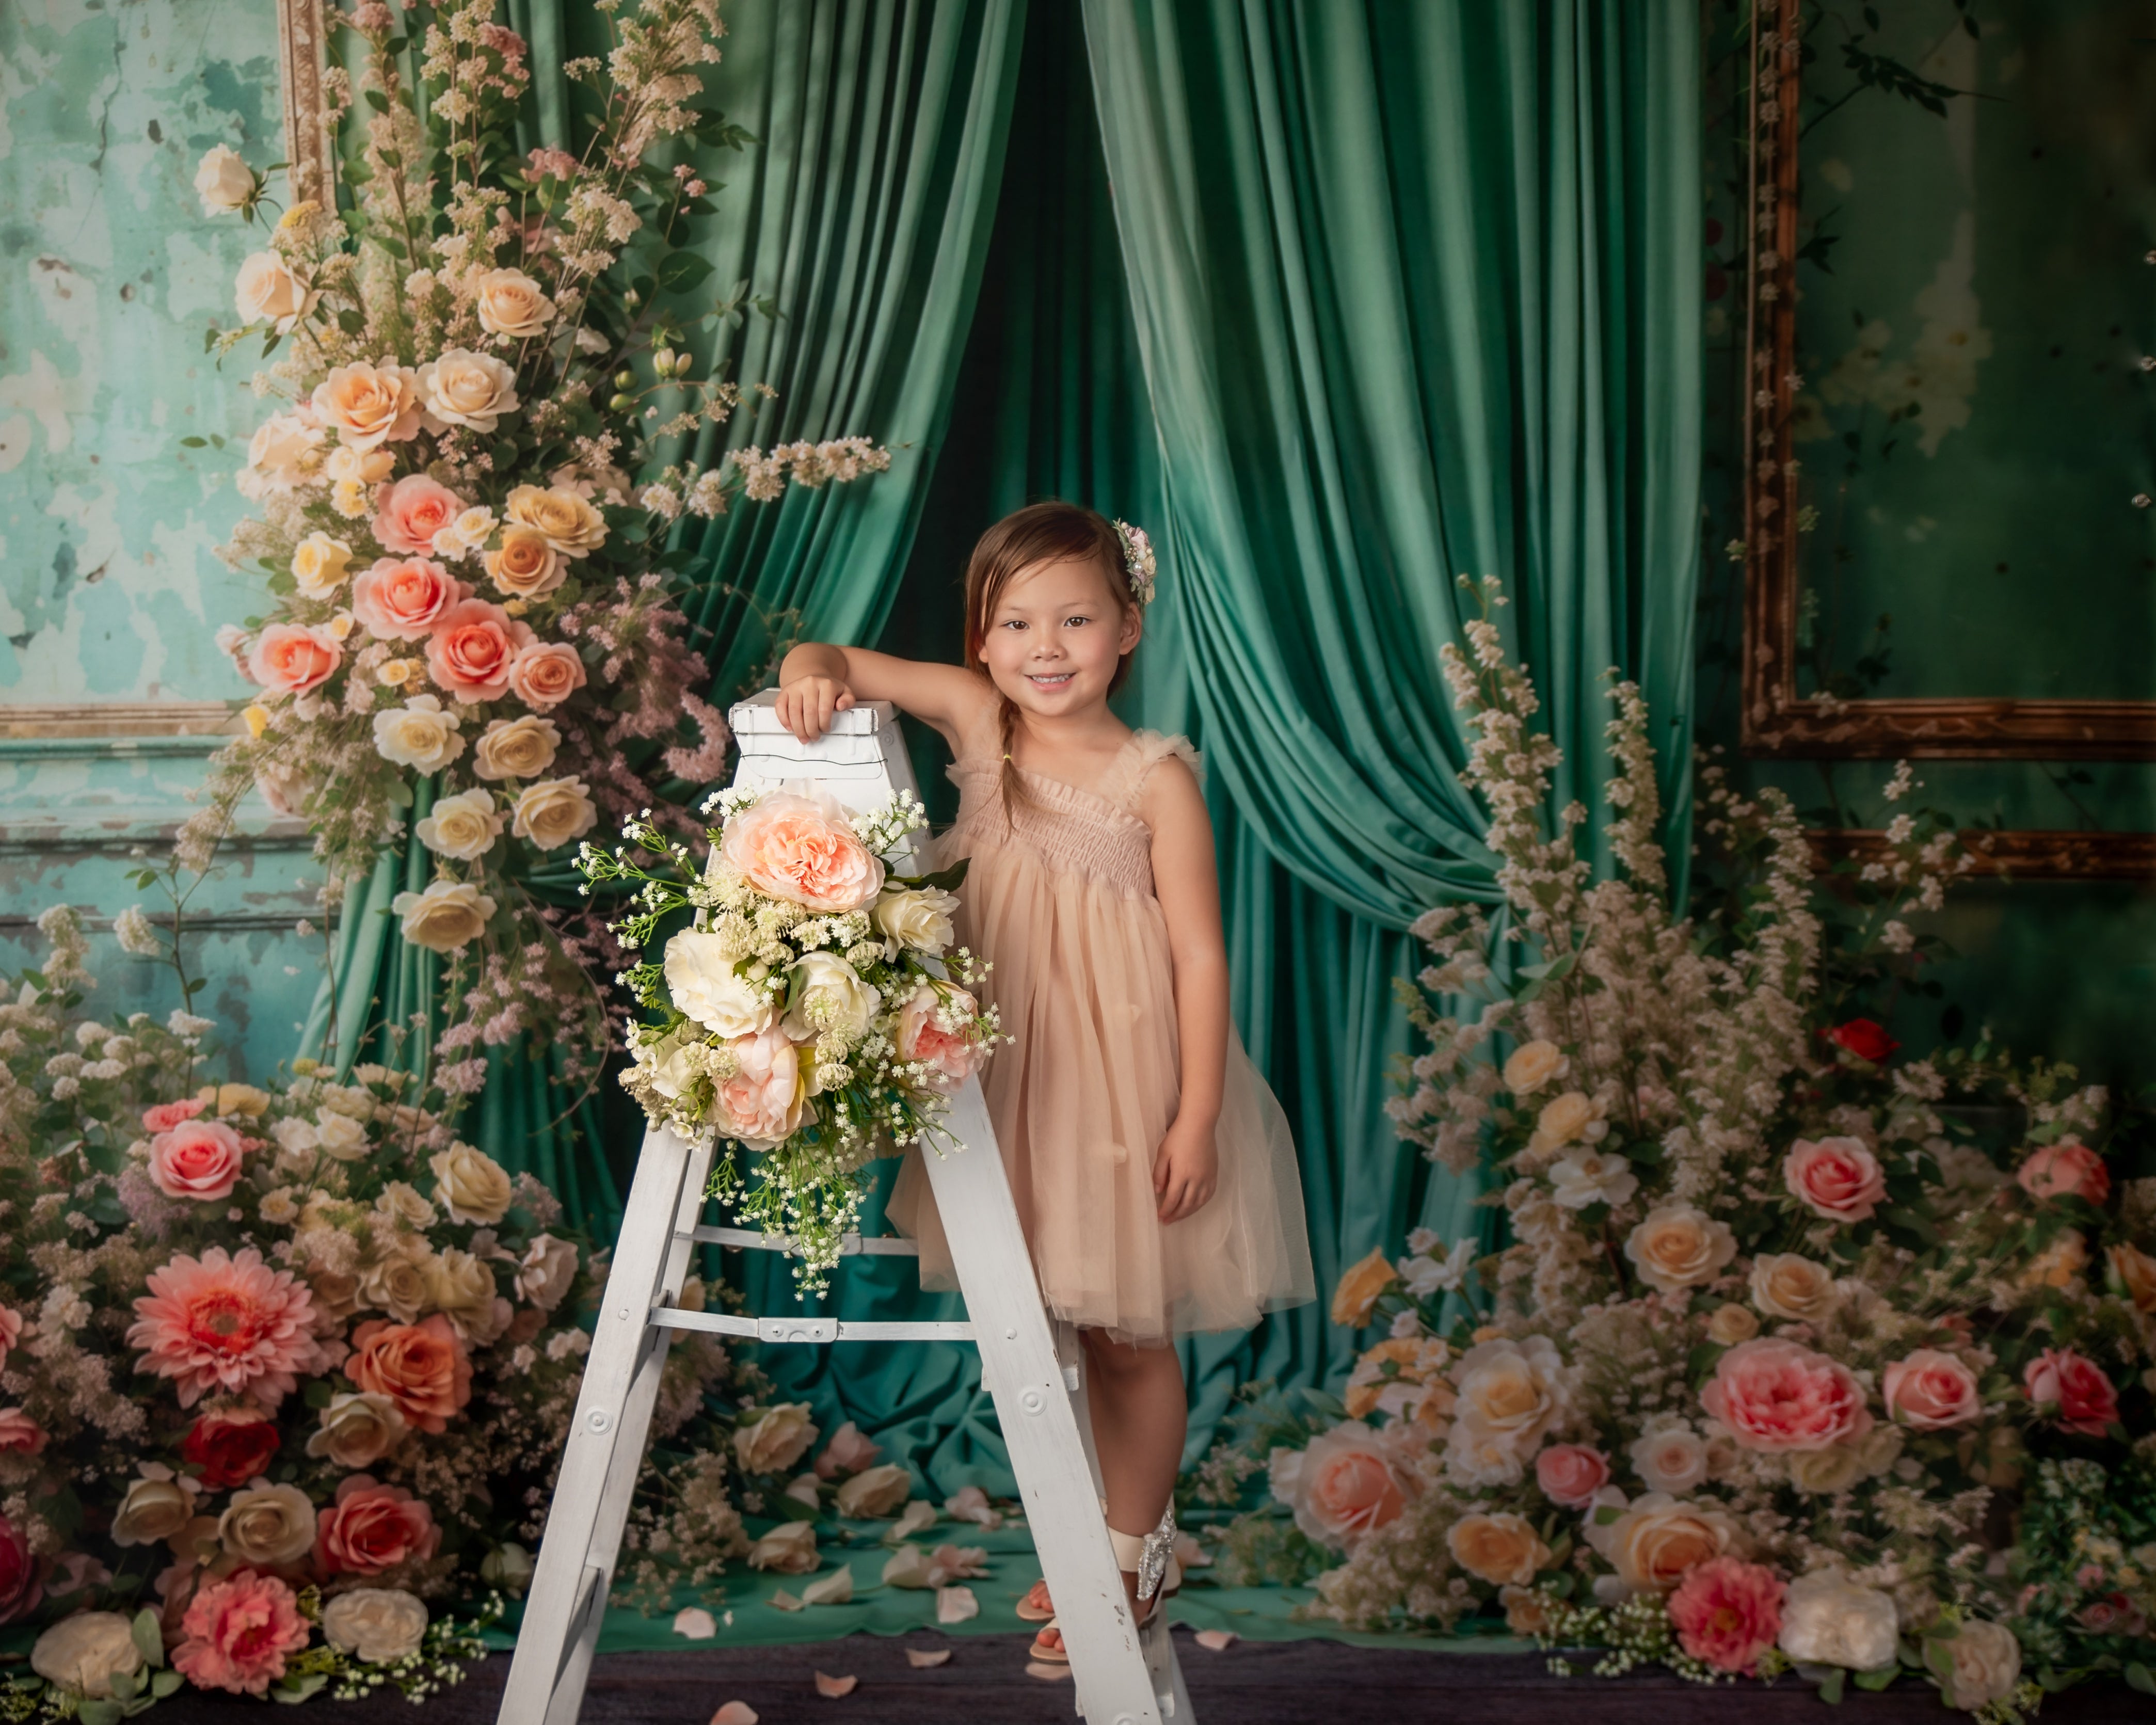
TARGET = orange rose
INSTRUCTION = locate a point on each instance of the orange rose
(1353, 1299)
(421, 1367)
(2133, 1272)
(1500, 1549)
(526, 566)
(293, 660)
(470, 652)
(546, 674)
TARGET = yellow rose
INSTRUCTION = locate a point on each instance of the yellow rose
(464, 826)
(269, 1526)
(156, 1506)
(1359, 1288)
(351, 466)
(1501, 1549)
(554, 811)
(511, 303)
(1533, 1064)
(2134, 1274)
(516, 748)
(471, 1185)
(241, 1099)
(1786, 1285)
(269, 288)
(1659, 1537)
(468, 389)
(1732, 1324)
(571, 526)
(776, 1440)
(527, 565)
(318, 564)
(449, 914)
(370, 404)
(358, 1430)
(1677, 1246)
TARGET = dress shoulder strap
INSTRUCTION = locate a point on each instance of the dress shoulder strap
(1148, 749)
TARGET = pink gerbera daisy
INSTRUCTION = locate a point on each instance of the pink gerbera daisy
(229, 1325)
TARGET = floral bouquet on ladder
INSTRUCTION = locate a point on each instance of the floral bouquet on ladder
(1797, 1353)
(807, 1011)
(472, 620)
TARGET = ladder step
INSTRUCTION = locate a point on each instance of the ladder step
(854, 1245)
(807, 1329)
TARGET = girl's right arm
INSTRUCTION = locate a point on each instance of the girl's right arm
(817, 681)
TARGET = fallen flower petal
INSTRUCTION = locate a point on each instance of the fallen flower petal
(1046, 1673)
(833, 1687)
(782, 1600)
(694, 1622)
(1215, 1641)
(909, 1566)
(922, 1659)
(836, 1588)
(735, 1712)
(955, 1604)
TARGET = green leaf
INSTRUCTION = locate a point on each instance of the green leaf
(680, 271)
(943, 880)
(125, 1685)
(1830, 1687)
(99, 1713)
(165, 1683)
(2138, 1677)
(1552, 971)
(294, 1689)
(1878, 1680)
(194, 443)
(378, 101)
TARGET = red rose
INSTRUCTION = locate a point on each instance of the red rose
(1865, 1040)
(22, 1582)
(230, 1446)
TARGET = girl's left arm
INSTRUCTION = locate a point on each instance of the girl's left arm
(1187, 1168)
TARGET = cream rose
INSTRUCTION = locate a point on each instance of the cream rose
(1828, 1619)
(918, 917)
(339, 1136)
(776, 1440)
(473, 390)
(461, 1286)
(511, 303)
(320, 564)
(572, 526)
(397, 1281)
(470, 1185)
(375, 1624)
(1659, 1537)
(449, 914)
(876, 1491)
(546, 1271)
(1732, 1324)
(157, 1506)
(831, 998)
(787, 1549)
(1978, 1665)
(554, 811)
(370, 404)
(268, 1527)
(1677, 1246)
(349, 465)
(1784, 1285)
(358, 1430)
(464, 826)
(470, 530)
(83, 1653)
(1672, 1460)
(223, 181)
(1534, 1064)
(1509, 1394)
(526, 566)
(1500, 1549)
(1570, 1118)
(1828, 1472)
(516, 748)
(705, 985)
(269, 288)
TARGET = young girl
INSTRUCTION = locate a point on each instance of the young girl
(1152, 1169)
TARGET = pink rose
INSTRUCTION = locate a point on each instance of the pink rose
(1343, 1487)
(1571, 1473)
(1930, 1390)
(197, 1158)
(1839, 1177)
(403, 598)
(1774, 1395)
(19, 1433)
(849, 1451)
(761, 1102)
(292, 661)
(802, 851)
(921, 1038)
(371, 1527)
(166, 1115)
(545, 674)
(237, 1632)
(2060, 1378)
(2065, 1170)
(1727, 1612)
(470, 653)
(408, 514)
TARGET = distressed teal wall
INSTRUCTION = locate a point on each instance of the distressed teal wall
(109, 595)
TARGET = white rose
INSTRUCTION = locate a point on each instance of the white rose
(546, 1271)
(508, 1567)
(553, 811)
(511, 303)
(82, 1653)
(319, 565)
(1784, 1285)
(1533, 1064)
(919, 917)
(358, 1430)
(464, 826)
(296, 1140)
(516, 748)
(468, 389)
(705, 985)
(449, 914)
(875, 1490)
(1828, 1619)
(776, 1440)
(832, 997)
(472, 528)
(1678, 1247)
(419, 734)
(1671, 1461)
(1980, 1666)
(156, 1508)
(1582, 1177)
(339, 1136)
(470, 1185)
(269, 288)
(376, 1624)
(269, 1526)
(223, 181)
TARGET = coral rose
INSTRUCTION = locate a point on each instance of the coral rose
(2065, 1170)
(408, 514)
(1865, 1040)
(1360, 1285)
(1678, 1247)
(166, 1115)
(289, 660)
(922, 1037)
(550, 813)
(526, 566)
(229, 1446)
(471, 649)
(762, 1103)
(227, 1324)
(571, 525)
(269, 288)
(402, 598)
(1727, 1612)
(1776, 1396)
(421, 1367)
(510, 303)
(199, 1159)
(371, 1527)
(1659, 1539)
(804, 850)
(1571, 1473)
(1784, 1285)
(545, 674)
(1343, 1487)
(1840, 1178)
(2076, 1386)
(516, 748)
(473, 390)
(370, 404)
(1930, 1390)
(237, 1632)
(1500, 1549)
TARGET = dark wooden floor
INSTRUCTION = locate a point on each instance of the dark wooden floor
(1251, 1683)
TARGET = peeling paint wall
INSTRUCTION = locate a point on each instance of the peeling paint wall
(109, 593)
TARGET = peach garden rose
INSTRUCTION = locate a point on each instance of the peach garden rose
(471, 649)
(370, 404)
(2069, 1169)
(404, 598)
(1931, 1390)
(409, 513)
(762, 1103)
(1344, 1487)
(802, 850)
(1775, 1395)
(525, 566)
(290, 660)
(545, 674)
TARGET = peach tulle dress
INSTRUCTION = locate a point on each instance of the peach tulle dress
(1061, 902)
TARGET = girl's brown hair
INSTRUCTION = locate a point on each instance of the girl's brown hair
(1039, 533)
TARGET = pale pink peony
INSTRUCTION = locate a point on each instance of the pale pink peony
(2066, 1170)
(237, 1632)
(920, 1038)
(403, 598)
(422, 1368)
(1727, 1612)
(472, 647)
(409, 513)
(545, 674)
(761, 1102)
(371, 1527)
(1774, 1395)
(199, 1159)
(19, 1433)
(226, 1324)
(1840, 1178)
(166, 1115)
(2077, 1386)
(1571, 1473)
(289, 660)
(802, 851)
(1930, 1390)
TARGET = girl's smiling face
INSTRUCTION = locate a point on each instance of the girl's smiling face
(1056, 636)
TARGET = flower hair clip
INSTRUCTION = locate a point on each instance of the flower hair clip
(1138, 562)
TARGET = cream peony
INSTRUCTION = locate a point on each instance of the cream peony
(1828, 1619)
(554, 811)
(1784, 1285)
(370, 404)
(803, 849)
(223, 181)
(419, 734)
(268, 1527)
(320, 564)
(1510, 1392)
(270, 289)
(1534, 1064)
(1656, 1539)
(776, 1440)
(918, 917)
(470, 1185)
(516, 748)
(464, 826)
(1679, 1246)
(339, 1137)
(572, 526)
(448, 915)
(356, 1430)
(83, 1653)
(375, 1624)
(829, 998)
(705, 985)
(510, 303)
(472, 390)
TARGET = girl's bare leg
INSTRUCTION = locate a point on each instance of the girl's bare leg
(1141, 1414)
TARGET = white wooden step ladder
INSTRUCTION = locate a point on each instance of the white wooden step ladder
(1125, 1675)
